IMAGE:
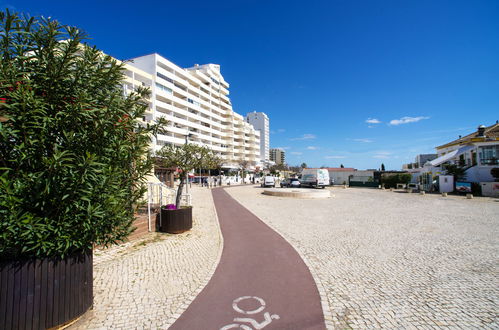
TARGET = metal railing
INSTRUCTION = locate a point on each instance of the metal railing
(160, 194)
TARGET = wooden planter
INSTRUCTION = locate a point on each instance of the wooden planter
(45, 293)
(176, 221)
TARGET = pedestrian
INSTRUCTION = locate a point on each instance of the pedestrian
(215, 182)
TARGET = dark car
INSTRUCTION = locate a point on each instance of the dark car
(290, 183)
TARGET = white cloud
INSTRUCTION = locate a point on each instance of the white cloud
(281, 130)
(312, 148)
(407, 120)
(304, 137)
(373, 121)
(284, 148)
(296, 153)
(382, 154)
(363, 140)
(335, 157)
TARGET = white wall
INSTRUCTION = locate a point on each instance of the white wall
(479, 174)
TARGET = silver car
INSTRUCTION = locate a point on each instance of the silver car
(290, 183)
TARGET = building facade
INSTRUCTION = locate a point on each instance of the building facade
(477, 152)
(260, 122)
(422, 159)
(419, 161)
(278, 156)
(196, 104)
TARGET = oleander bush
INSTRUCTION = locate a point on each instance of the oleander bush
(73, 148)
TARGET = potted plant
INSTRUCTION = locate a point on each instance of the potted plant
(73, 155)
(187, 157)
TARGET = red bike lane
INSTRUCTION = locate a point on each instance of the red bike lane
(260, 283)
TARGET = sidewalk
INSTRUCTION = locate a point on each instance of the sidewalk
(148, 283)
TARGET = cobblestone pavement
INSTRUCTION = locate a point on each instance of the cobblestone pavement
(393, 260)
(147, 284)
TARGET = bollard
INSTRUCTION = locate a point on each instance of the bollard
(422, 192)
(391, 189)
(444, 194)
(469, 196)
(344, 186)
(409, 190)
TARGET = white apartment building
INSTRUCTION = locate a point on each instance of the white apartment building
(196, 104)
(278, 156)
(260, 122)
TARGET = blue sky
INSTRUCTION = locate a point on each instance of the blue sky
(358, 83)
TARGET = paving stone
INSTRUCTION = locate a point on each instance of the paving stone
(147, 284)
(393, 260)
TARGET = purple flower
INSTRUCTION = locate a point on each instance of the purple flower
(170, 207)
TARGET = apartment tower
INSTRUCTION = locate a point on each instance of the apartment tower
(195, 102)
(260, 122)
(278, 156)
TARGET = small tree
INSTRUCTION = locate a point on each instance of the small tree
(341, 166)
(185, 158)
(382, 167)
(215, 162)
(458, 172)
(73, 147)
(245, 165)
(303, 165)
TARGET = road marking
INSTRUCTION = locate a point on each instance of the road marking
(256, 325)
(239, 310)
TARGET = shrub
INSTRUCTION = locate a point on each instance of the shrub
(73, 150)
(495, 173)
(476, 189)
(391, 180)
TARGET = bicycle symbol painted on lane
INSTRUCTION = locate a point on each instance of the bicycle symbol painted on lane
(241, 320)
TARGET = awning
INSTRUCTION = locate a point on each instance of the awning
(451, 155)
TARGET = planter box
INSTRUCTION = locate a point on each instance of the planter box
(176, 221)
(45, 293)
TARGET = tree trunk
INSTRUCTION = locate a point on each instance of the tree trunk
(179, 192)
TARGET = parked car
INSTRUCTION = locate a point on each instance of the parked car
(314, 177)
(290, 183)
(268, 181)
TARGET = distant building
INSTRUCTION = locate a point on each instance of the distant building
(260, 122)
(477, 152)
(278, 156)
(344, 175)
(423, 158)
(419, 161)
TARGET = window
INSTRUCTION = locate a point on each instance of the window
(162, 76)
(489, 155)
(193, 102)
(164, 88)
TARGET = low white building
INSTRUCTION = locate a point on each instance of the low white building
(477, 153)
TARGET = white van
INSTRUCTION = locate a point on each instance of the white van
(268, 181)
(314, 177)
